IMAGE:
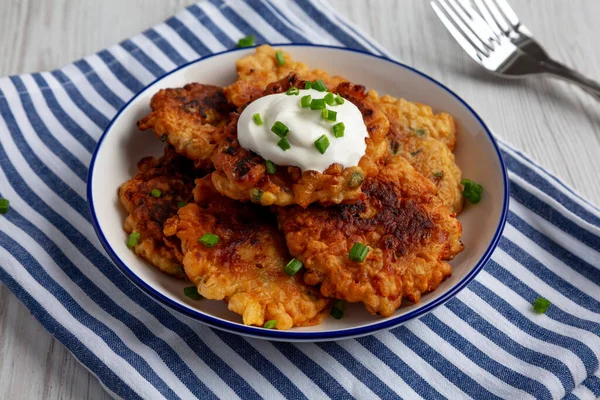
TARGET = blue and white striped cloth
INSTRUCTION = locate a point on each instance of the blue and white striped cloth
(485, 343)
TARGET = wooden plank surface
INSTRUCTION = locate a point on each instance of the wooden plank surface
(556, 123)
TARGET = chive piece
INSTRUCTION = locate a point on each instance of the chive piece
(338, 130)
(192, 293)
(280, 129)
(293, 91)
(395, 147)
(284, 144)
(322, 144)
(270, 324)
(358, 252)
(324, 113)
(540, 305)
(472, 191)
(317, 104)
(209, 240)
(133, 239)
(319, 85)
(329, 99)
(293, 267)
(339, 99)
(356, 179)
(420, 132)
(337, 310)
(331, 115)
(246, 41)
(279, 57)
(307, 85)
(271, 167)
(256, 194)
(257, 119)
(156, 193)
(414, 153)
(181, 204)
(4, 206)
(438, 175)
(305, 101)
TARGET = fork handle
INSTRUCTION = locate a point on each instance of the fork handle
(563, 72)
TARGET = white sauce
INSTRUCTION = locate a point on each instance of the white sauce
(305, 126)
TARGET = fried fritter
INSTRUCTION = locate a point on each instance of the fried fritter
(426, 140)
(246, 267)
(190, 119)
(410, 235)
(241, 174)
(173, 175)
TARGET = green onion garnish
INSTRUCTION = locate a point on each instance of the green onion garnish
(322, 144)
(358, 252)
(329, 99)
(307, 85)
(472, 191)
(328, 115)
(209, 239)
(339, 99)
(324, 113)
(293, 91)
(270, 324)
(317, 104)
(540, 305)
(420, 132)
(293, 267)
(156, 193)
(338, 130)
(284, 144)
(181, 204)
(279, 57)
(414, 153)
(192, 293)
(246, 41)
(280, 129)
(305, 101)
(257, 119)
(356, 179)
(4, 206)
(271, 167)
(439, 174)
(256, 194)
(319, 85)
(133, 239)
(337, 310)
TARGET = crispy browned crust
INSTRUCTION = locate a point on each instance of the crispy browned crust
(174, 176)
(409, 231)
(240, 172)
(246, 267)
(189, 118)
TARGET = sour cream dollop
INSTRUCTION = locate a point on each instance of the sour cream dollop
(305, 127)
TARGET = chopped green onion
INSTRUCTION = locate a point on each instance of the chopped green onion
(339, 99)
(156, 193)
(317, 104)
(293, 91)
(324, 113)
(280, 129)
(192, 293)
(439, 174)
(395, 147)
(209, 239)
(540, 305)
(305, 101)
(331, 115)
(293, 267)
(246, 41)
(337, 310)
(414, 153)
(329, 99)
(181, 204)
(472, 191)
(322, 144)
(4, 206)
(358, 252)
(284, 144)
(257, 119)
(338, 130)
(271, 167)
(133, 239)
(420, 132)
(270, 324)
(356, 179)
(307, 85)
(319, 85)
(256, 194)
(279, 57)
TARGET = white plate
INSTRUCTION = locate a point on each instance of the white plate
(122, 145)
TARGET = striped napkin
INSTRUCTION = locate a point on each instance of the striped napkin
(485, 343)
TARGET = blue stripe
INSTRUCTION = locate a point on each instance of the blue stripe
(188, 36)
(130, 81)
(98, 84)
(593, 383)
(165, 47)
(75, 346)
(205, 20)
(281, 15)
(275, 22)
(44, 134)
(239, 22)
(143, 58)
(65, 120)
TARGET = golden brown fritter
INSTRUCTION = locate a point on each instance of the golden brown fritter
(190, 119)
(246, 267)
(241, 174)
(410, 234)
(174, 176)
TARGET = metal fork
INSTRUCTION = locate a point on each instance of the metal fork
(491, 34)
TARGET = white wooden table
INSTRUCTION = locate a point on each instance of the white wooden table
(557, 124)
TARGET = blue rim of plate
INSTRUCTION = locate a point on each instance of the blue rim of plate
(262, 333)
